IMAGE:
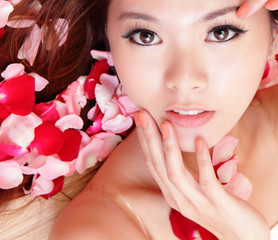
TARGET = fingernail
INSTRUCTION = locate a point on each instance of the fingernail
(143, 119)
(164, 130)
(243, 11)
(199, 145)
(136, 119)
(271, 4)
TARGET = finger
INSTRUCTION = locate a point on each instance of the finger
(207, 178)
(248, 8)
(272, 5)
(143, 123)
(177, 172)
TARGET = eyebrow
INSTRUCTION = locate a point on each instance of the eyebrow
(207, 17)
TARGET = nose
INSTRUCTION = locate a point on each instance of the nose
(185, 70)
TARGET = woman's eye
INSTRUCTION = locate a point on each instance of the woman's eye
(144, 37)
(223, 34)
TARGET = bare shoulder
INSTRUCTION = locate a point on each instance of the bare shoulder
(95, 215)
(102, 211)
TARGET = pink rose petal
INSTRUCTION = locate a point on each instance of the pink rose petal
(13, 70)
(40, 82)
(58, 185)
(226, 171)
(224, 149)
(69, 121)
(240, 186)
(126, 106)
(53, 168)
(19, 130)
(31, 45)
(118, 124)
(40, 186)
(5, 9)
(111, 141)
(10, 174)
(88, 155)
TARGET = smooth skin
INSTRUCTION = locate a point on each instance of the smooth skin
(130, 198)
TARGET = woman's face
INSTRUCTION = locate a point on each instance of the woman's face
(192, 62)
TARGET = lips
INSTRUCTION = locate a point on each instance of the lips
(189, 118)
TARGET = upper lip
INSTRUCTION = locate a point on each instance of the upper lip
(187, 107)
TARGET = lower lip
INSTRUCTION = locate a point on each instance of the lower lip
(190, 121)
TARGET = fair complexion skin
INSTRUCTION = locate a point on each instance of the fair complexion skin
(124, 200)
(181, 59)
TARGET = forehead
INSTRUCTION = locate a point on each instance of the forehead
(179, 9)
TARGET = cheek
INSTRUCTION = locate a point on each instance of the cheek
(140, 80)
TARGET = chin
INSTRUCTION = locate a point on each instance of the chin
(187, 141)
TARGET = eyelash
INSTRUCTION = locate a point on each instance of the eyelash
(238, 30)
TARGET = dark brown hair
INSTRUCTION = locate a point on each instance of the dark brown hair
(61, 65)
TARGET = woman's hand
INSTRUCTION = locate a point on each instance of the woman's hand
(251, 6)
(199, 198)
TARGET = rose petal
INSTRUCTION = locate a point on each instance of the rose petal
(2, 31)
(18, 102)
(118, 124)
(227, 170)
(88, 155)
(69, 121)
(126, 106)
(102, 55)
(40, 82)
(53, 168)
(10, 174)
(48, 139)
(19, 130)
(111, 141)
(31, 45)
(71, 146)
(13, 70)
(8, 151)
(58, 185)
(74, 98)
(4, 113)
(40, 186)
(240, 186)
(5, 9)
(47, 112)
(224, 149)
(61, 27)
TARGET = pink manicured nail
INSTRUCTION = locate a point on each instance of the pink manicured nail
(243, 11)
(271, 4)
(143, 119)
(136, 119)
(164, 130)
(199, 145)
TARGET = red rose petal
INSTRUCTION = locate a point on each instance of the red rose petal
(4, 113)
(71, 146)
(47, 112)
(18, 94)
(2, 31)
(48, 139)
(184, 228)
(266, 71)
(99, 68)
(58, 185)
